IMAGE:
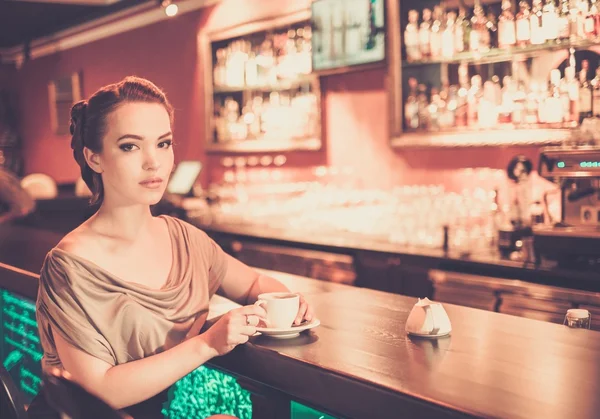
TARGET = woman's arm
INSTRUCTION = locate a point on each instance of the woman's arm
(133, 382)
(127, 384)
(243, 285)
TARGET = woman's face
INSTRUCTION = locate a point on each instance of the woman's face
(137, 157)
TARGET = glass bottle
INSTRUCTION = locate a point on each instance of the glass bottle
(492, 29)
(537, 34)
(564, 26)
(462, 96)
(595, 13)
(523, 26)
(573, 92)
(423, 105)
(550, 21)
(411, 106)
(461, 29)
(507, 32)
(596, 93)
(425, 34)
(585, 92)
(590, 21)
(411, 37)
(583, 10)
(479, 39)
(437, 29)
(448, 36)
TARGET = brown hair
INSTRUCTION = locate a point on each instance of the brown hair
(89, 120)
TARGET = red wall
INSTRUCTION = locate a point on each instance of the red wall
(164, 53)
(354, 106)
(7, 74)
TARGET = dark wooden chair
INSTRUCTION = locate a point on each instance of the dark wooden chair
(11, 401)
(73, 401)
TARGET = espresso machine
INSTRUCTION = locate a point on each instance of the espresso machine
(573, 241)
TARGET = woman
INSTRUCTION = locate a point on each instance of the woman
(123, 297)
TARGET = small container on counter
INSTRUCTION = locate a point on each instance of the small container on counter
(578, 318)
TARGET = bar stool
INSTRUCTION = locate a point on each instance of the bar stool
(11, 402)
(72, 401)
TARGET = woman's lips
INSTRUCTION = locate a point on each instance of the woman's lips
(153, 183)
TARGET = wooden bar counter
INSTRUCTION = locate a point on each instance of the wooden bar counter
(359, 363)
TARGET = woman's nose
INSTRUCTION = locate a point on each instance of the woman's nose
(151, 161)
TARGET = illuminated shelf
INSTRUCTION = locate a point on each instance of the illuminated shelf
(482, 138)
(265, 145)
(498, 55)
(282, 85)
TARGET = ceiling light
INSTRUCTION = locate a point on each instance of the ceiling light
(169, 7)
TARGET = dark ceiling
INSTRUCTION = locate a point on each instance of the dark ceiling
(21, 21)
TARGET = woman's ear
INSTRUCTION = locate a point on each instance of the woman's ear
(93, 160)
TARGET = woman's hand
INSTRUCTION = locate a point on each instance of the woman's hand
(305, 311)
(233, 328)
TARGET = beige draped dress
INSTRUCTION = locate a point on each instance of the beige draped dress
(119, 321)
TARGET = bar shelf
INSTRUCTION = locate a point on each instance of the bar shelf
(260, 92)
(499, 55)
(505, 96)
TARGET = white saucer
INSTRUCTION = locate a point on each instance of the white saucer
(429, 336)
(288, 332)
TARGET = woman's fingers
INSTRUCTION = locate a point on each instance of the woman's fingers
(252, 320)
(301, 311)
(310, 313)
(255, 310)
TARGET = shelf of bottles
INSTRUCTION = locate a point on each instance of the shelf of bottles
(501, 66)
(264, 95)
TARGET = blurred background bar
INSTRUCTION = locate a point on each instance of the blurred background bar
(426, 148)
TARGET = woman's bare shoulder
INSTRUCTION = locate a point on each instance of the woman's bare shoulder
(79, 242)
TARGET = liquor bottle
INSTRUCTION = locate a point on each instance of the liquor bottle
(537, 33)
(523, 26)
(595, 13)
(219, 72)
(550, 21)
(435, 40)
(585, 92)
(448, 97)
(596, 93)
(573, 92)
(554, 110)
(507, 32)
(574, 21)
(425, 34)
(434, 109)
(423, 104)
(492, 29)
(473, 99)
(462, 118)
(448, 36)
(462, 31)
(411, 106)
(564, 25)
(591, 30)
(479, 39)
(583, 7)
(518, 115)
(411, 37)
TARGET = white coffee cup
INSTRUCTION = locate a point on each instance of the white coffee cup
(281, 307)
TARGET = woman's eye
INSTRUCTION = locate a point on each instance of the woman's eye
(127, 147)
(165, 144)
